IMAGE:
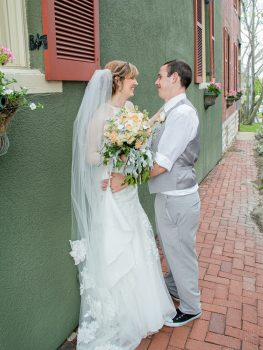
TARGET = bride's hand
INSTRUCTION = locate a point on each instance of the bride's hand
(117, 182)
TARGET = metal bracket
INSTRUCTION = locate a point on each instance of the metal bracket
(37, 42)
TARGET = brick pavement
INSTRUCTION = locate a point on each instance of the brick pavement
(230, 251)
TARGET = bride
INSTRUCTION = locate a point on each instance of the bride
(123, 294)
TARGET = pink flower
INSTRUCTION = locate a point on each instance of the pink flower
(232, 93)
(6, 55)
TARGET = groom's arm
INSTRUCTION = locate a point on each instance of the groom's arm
(157, 170)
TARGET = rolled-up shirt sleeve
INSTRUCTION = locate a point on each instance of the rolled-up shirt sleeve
(180, 128)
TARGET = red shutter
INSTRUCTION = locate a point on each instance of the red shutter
(198, 47)
(72, 29)
(235, 67)
(226, 61)
(212, 40)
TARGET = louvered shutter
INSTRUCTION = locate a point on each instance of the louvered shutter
(226, 61)
(235, 66)
(212, 40)
(72, 29)
(198, 47)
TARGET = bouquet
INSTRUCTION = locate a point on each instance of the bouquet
(126, 134)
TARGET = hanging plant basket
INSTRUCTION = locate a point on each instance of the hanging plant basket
(5, 117)
(230, 100)
(209, 98)
(6, 113)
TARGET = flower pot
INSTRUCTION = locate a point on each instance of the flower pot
(230, 100)
(209, 98)
(5, 117)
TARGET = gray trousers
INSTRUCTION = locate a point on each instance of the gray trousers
(177, 221)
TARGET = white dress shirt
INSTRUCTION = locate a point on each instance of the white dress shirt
(180, 128)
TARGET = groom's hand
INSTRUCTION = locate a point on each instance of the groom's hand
(116, 183)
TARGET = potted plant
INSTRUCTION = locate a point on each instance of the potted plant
(11, 99)
(230, 98)
(211, 93)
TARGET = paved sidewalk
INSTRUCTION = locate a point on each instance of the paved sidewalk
(230, 250)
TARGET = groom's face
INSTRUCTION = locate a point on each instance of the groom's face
(164, 83)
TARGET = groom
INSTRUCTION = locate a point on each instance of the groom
(173, 179)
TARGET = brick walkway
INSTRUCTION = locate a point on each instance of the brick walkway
(230, 250)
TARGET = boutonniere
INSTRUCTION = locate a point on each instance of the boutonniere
(158, 123)
(161, 118)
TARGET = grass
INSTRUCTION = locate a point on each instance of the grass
(250, 128)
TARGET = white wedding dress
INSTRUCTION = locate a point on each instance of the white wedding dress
(123, 294)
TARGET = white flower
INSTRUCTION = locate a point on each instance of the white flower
(8, 91)
(162, 117)
(32, 106)
(79, 250)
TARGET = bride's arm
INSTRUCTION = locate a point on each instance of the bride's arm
(95, 137)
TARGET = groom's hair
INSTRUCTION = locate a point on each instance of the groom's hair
(183, 69)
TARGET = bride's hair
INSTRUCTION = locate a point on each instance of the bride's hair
(120, 70)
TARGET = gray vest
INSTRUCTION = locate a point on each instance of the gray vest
(182, 175)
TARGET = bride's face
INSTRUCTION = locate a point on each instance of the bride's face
(128, 87)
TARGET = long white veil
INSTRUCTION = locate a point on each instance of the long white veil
(87, 137)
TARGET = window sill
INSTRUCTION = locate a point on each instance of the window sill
(203, 85)
(33, 80)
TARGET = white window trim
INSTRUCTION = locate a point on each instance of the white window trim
(14, 34)
(33, 80)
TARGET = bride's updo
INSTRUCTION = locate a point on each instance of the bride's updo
(120, 70)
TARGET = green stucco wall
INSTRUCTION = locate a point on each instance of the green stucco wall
(39, 291)
(149, 33)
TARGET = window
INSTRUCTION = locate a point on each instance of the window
(72, 29)
(226, 62)
(14, 34)
(212, 40)
(13, 30)
(198, 41)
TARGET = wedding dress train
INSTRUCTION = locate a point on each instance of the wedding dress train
(124, 297)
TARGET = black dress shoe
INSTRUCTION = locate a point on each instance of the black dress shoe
(181, 319)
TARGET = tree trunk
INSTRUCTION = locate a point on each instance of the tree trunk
(256, 107)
